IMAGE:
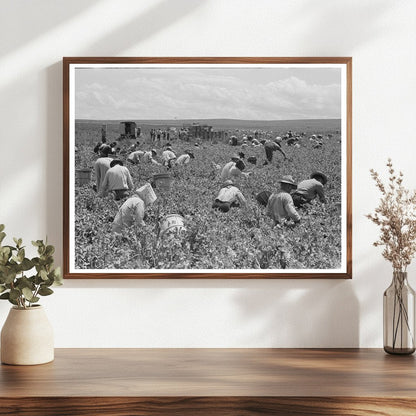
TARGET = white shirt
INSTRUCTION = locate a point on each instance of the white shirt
(101, 167)
(183, 159)
(135, 156)
(117, 178)
(132, 211)
(231, 194)
(168, 155)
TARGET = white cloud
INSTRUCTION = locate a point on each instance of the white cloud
(205, 94)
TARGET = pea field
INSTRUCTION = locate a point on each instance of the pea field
(241, 239)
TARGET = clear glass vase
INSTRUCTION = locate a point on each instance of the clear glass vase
(399, 316)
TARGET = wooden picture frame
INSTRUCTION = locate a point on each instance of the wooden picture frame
(199, 105)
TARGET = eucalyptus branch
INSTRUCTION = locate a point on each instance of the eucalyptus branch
(17, 285)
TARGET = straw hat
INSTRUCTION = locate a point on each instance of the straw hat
(287, 179)
(316, 175)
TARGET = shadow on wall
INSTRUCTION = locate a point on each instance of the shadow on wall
(44, 16)
(301, 313)
(132, 32)
(350, 25)
(157, 18)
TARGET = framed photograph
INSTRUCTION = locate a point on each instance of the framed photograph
(207, 168)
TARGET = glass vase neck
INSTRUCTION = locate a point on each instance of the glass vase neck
(399, 275)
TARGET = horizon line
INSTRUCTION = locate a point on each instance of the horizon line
(210, 118)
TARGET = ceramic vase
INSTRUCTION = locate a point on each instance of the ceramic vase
(27, 337)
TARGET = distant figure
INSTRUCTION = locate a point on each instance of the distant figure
(168, 157)
(134, 157)
(309, 189)
(280, 205)
(228, 197)
(277, 139)
(101, 166)
(185, 158)
(233, 171)
(143, 156)
(117, 180)
(104, 133)
(270, 147)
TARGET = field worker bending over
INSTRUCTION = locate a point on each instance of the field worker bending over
(185, 158)
(168, 157)
(133, 209)
(117, 180)
(270, 147)
(309, 189)
(101, 165)
(280, 206)
(233, 170)
(134, 157)
(229, 196)
(145, 156)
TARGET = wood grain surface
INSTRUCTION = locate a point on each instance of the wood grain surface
(212, 381)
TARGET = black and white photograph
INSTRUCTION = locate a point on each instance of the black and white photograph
(211, 168)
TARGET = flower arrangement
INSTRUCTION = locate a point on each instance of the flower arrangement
(15, 286)
(396, 217)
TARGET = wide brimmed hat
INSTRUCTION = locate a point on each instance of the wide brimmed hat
(116, 162)
(104, 149)
(315, 175)
(287, 179)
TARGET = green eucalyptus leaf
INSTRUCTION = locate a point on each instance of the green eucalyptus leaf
(2, 288)
(8, 277)
(2, 227)
(37, 243)
(5, 250)
(58, 276)
(24, 282)
(2, 236)
(49, 250)
(21, 254)
(13, 302)
(45, 291)
(43, 274)
(15, 294)
(5, 295)
(27, 293)
(26, 264)
(11, 248)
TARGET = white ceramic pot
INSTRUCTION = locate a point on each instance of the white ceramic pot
(27, 337)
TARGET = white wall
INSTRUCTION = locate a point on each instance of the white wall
(380, 35)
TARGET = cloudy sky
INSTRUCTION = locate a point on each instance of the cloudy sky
(196, 93)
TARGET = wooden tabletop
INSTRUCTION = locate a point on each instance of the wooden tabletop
(262, 377)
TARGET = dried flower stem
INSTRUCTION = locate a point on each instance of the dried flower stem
(396, 216)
